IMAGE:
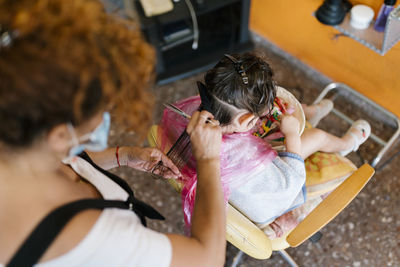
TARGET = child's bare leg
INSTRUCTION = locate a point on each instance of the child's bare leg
(309, 110)
(314, 113)
(314, 139)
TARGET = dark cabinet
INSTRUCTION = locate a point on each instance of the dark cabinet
(222, 27)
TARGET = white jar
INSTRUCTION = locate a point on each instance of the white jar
(361, 16)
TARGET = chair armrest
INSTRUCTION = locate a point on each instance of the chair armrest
(331, 206)
(245, 235)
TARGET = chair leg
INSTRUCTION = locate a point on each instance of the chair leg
(237, 258)
(315, 237)
(287, 258)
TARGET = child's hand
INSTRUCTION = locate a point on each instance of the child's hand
(290, 125)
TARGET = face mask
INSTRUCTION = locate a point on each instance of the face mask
(94, 141)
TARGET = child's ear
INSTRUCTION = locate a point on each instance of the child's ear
(243, 122)
(246, 118)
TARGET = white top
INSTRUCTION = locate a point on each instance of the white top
(117, 238)
(277, 189)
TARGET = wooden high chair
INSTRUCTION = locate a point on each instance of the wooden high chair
(246, 236)
(341, 176)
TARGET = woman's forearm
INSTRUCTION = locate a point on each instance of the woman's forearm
(139, 158)
(206, 246)
(208, 222)
(107, 159)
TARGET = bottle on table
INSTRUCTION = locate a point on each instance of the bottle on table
(383, 15)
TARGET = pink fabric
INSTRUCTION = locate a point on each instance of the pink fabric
(283, 224)
(291, 219)
(242, 154)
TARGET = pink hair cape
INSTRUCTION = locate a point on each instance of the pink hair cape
(242, 154)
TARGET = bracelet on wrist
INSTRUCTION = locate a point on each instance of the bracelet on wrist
(117, 156)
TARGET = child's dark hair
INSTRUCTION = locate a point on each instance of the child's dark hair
(227, 86)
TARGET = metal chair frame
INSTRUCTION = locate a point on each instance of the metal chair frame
(385, 144)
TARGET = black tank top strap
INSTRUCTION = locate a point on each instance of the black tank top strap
(122, 183)
(48, 229)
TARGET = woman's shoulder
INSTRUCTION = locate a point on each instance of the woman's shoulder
(117, 238)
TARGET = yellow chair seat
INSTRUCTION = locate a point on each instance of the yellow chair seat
(325, 172)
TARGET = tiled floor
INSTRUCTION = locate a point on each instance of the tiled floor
(366, 233)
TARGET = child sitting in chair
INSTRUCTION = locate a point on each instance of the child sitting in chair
(259, 181)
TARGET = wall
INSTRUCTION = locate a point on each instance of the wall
(291, 25)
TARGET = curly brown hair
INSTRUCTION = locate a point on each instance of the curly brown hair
(66, 61)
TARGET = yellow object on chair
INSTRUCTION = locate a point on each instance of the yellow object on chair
(325, 171)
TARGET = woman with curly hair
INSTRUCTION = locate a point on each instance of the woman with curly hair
(64, 65)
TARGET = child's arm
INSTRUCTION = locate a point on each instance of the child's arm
(290, 128)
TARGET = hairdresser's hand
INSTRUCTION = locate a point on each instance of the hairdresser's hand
(205, 137)
(146, 159)
(290, 125)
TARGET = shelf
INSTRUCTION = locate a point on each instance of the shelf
(181, 12)
(380, 42)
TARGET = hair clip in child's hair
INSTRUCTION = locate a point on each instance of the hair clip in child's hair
(245, 79)
(239, 68)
